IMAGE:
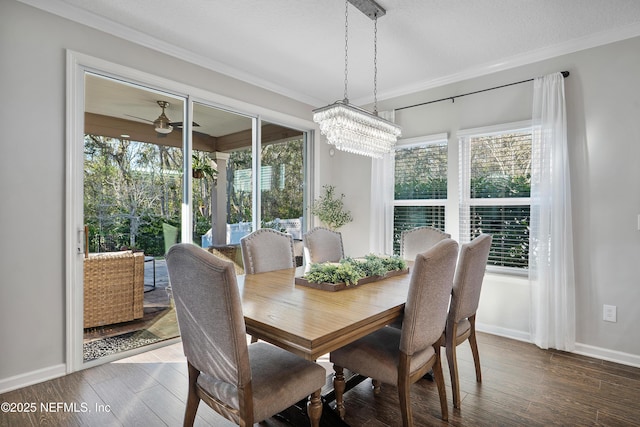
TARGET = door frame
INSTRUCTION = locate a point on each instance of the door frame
(77, 64)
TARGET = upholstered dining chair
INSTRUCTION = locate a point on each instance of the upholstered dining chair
(322, 245)
(465, 297)
(402, 357)
(415, 241)
(267, 249)
(244, 383)
(419, 239)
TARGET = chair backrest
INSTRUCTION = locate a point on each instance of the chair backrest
(419, 239)
(266, 250)
(468, 279)
(322, 245)
(209, 312)
(425, 312)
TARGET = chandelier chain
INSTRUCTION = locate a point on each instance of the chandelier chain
(346, 49)
(354, 129)
(375, 65)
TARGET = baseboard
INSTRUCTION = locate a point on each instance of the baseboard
(582, 349)
(608, 355)
(33, 377)
(503, 332)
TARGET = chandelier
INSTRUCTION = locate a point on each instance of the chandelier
(350, 128)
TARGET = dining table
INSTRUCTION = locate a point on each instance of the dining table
(312, 322)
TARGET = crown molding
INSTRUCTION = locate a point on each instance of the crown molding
(89, 19)
(571, 46)
(83, 17)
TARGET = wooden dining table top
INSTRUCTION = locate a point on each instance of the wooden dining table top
(312, 322)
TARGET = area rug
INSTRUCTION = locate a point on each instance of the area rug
(110, 345)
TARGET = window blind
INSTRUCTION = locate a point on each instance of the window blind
(420, 188)
(495, 194)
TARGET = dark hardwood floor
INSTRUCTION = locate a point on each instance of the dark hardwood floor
(522, 386)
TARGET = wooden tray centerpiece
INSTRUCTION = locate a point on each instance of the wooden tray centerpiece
(350, 272)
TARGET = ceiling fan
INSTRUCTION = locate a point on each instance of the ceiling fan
(162, 125)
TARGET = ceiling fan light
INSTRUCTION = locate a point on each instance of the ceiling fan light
(162, 123)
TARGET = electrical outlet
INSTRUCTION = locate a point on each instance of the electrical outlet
(609, 313)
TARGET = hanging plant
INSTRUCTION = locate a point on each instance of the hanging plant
(201, 167)
(330, 209)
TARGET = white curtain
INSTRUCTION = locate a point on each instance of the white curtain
(551, 271)
(381, 210)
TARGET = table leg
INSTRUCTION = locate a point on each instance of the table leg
(297, 414)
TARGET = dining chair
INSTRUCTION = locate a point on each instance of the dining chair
(322, 245)
(245, 383)
(419, 239)
(465, 297)
(267, 249)
(413, 242)
(402, 357)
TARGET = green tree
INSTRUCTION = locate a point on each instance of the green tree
(124, 183)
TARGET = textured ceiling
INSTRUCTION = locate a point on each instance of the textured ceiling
(296, 47)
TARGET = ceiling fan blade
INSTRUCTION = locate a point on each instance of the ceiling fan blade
(179, 124)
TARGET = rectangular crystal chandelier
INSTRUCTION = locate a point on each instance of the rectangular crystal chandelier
(355, 130)
(350, 128)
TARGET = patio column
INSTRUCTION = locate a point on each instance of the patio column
(219, 201)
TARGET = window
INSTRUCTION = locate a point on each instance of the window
(282, 184)
(420, 185)
(495, 187)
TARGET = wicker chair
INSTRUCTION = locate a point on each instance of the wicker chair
(113, 288)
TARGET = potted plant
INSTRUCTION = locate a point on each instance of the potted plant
(330, 209)
(201, 167)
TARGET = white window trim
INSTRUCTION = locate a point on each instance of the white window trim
(464, 199)
(406, 143)
(522, 125)
(422, 140)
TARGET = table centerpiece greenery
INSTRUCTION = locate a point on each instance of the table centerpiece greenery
(351, 270)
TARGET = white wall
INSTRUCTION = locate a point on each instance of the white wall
(33, 48)
(603, 109)
(351, 175)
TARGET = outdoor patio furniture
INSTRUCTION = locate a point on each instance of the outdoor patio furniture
(113, 288)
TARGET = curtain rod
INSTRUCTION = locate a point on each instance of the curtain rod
(565, 74)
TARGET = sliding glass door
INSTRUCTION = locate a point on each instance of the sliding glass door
(133, 192)
(149, 167)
